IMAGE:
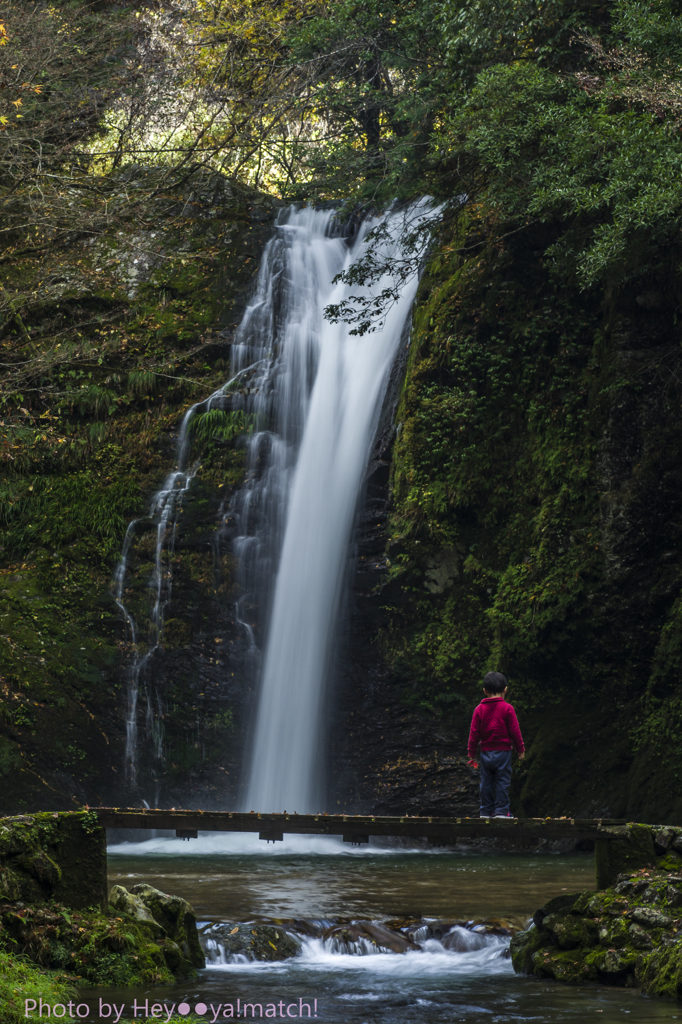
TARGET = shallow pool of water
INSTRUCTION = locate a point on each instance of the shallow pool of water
(238, 878)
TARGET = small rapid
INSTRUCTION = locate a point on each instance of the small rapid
(373, 935)
(339, 942)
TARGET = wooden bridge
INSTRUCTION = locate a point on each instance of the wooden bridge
(356, 828)
(619, 845)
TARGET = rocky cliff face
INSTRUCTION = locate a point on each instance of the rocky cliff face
(527, 519)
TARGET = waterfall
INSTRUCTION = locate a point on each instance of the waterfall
(317, 396)
(164, 510)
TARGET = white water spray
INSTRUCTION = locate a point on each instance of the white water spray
(321, 392)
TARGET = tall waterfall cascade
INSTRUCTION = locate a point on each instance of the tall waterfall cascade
(318, 389)
(309, 393)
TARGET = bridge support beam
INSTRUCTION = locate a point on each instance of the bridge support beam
(272, 837)
(628, 848)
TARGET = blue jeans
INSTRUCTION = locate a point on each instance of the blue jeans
(496, 769)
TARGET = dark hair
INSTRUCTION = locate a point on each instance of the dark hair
(494, 682)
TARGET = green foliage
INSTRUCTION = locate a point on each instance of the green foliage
(218, 425)
(10, 758)
(90, 822)
(550, 152)
(55, 511)
(142, 382)
(20, 980)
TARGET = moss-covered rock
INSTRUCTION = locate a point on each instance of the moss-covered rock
(177, 918)
(53, 855)
(628, 935)
(660, 973)
(568, 966)
(569, 931)
(122, 945)
(524, 946)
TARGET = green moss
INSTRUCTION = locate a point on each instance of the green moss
(570, 931)
(570, 967)
(672, 861)
(55, 855)
(660, 974)
(21, 980)
(524, 946)
(178, 920)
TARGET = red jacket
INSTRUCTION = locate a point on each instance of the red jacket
(494, 727)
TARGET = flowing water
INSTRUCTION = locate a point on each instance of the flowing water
(162, 518)
(319, 394)
(319, 880)
(308, 394)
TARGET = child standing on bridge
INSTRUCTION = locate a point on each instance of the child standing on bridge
(495, 731)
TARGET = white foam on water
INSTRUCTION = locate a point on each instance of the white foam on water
(432, 960)
(238, 844)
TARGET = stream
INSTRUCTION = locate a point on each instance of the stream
(240, 878)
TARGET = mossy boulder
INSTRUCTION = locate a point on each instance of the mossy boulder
(92, 946)
(569, 931)
(176, 917)
(568, 966)
(53, 855)
(524, 946)
(660, 974)
(125, 902)
(629, 935)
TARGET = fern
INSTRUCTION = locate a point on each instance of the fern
(216, 425)
(142, 382)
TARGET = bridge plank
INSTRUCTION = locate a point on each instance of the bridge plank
(361, 825)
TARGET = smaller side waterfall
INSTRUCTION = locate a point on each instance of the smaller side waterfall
(320, 393)
(162, 517)
(163, 512)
